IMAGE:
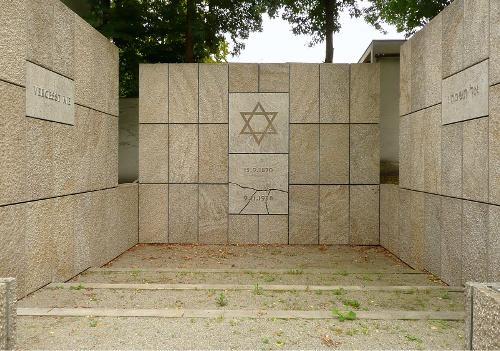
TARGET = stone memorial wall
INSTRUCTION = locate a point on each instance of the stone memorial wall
(259, 153)
(448, 218)
(61, 210)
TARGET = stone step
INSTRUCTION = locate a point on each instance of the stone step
(269, 276)
(139, 333)
(223, 297)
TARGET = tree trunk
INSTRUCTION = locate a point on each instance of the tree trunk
(191, 8)
(329, 6)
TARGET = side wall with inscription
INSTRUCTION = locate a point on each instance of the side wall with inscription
(259, 153)
(61, 210)
(449, 191)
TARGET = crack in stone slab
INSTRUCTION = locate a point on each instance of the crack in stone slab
(268, 191)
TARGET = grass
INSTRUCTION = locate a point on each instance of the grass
(446, 296)
(352, 303)
(265, 341)
(76, 287)
(338, 292)
(344, 316)
(258, 290)
(268, 278)
(135, 273)
(413, 338)
(221, 300)
(344, 273)
(295, 271)
(93, 323)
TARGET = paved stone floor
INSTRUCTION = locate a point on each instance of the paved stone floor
(245, 297)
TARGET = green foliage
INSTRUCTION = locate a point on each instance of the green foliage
(258, 290)
(343, 316)
(352, 303)
(221, 300)
(76, 287)
(407, 15)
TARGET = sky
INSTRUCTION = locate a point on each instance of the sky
(276, 43)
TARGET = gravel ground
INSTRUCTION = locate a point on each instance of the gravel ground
(151, 333)
(144, 277)
(256, 299)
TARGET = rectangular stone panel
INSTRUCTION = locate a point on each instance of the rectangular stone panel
(465, 95)
(304, 154)
(405, 253)
(451, 159)
(453, 38)
(389, 217)
(258, 123)
(258, 184)
(213, 161)
(153, 213)
(183, 213)
(127, 198)
(432, 149)
(334, 93)
(477, 31)
(494, 145)
(214, 80)
(365, 93)
(417, 228)
(451, 241)
(213, 214)
(304, 93)
(274, 77)
(8, 322)
(494, 243)
(364, 215)
(49, 95)
(405, 154)
(365, 154)
(304, 215)
(494, 42)
(183, 151)
(475, 160)
(183, 93)
(13, 40)
(334, 214)
(153, 153)
(417, 149)
(405, 79)
(273, 229)
(243, 229)
(243, 78)
(334, 153)
(105, 158)
(153, 93)
(432, 234)
(475, 242)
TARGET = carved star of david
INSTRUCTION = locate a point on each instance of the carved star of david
(258, 111)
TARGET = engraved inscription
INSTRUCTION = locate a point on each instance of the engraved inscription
(465, 94)
(49, 96)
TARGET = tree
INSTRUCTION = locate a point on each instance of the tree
(174, 31)
(317, 18)
(407, 15)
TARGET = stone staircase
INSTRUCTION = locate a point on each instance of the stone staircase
(247, 297)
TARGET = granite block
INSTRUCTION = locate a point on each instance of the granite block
(83, 226)
(364, 154)
(334, 214)
(475, 242)
(365, 93)
(153, 93)
(475, 160)
(127, 201)
(482, 327)
(243, 229)
(13, 238)
(96, 69)
(405, 79)
(183, 152)
(417, 228)
(40, 26)
(213, 214)
(334, 93)
(273, 229)
(63, 40)
(453, 38)
(243, 78)
(451, 159)
(451, 241)
(405, 153)
(432, 234)
(417, 150)
(494, 42)
(304, 154)
(304, 216)
(432, 149)
(13, 41)
(153, 213)
(105, 143)
(153, 153)
(13, 144)
(494, 146)
(183, 213)
(389, 217)
(8, 306)
(304, 93)
(364, 215)
(183, 93)
(274, 77)
(334, 153)
(477, 30)
(214, 81)
(213, 163)
(494, 243)
(405, 249)
(98, 241)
